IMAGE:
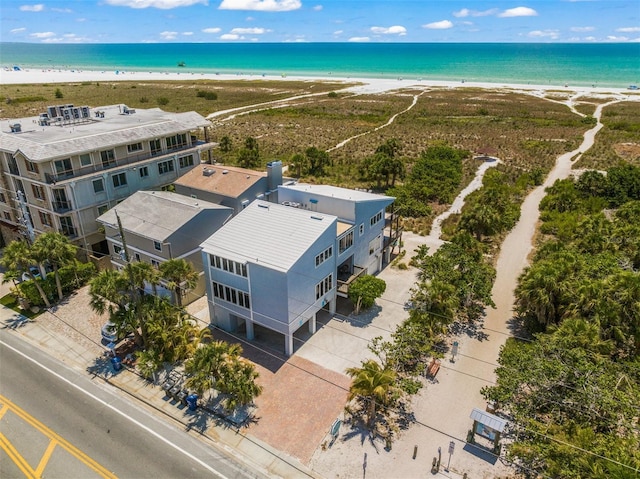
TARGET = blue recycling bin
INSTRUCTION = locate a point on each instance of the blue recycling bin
(192, 402)
(116, 362)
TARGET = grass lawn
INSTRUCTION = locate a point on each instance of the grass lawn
(10, 301)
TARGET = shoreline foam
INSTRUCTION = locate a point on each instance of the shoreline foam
(364, 85)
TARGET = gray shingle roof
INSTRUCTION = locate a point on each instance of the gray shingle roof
(270, 234)
(40, 143)
(158, 214)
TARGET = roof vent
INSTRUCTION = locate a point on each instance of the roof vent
(208, 171)
(224, 172)
(16, 128)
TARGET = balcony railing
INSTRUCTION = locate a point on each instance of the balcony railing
(343, 285)
(119, 162)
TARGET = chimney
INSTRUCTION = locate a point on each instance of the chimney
(274, 175)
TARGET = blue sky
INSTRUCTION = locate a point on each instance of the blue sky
(157, 21)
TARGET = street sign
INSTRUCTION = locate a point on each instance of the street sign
(452, 446)
(454, 350)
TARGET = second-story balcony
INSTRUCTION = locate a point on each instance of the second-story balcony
(346, 277)
(119, 162)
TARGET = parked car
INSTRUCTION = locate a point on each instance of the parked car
(35, 271)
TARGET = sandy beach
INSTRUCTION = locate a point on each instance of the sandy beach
(9, 76)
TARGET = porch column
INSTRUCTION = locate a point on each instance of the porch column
(250, 334)
(288, 344)
(312, 323)
(332, 305)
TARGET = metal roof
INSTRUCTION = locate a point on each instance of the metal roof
(158, 214)
(494, 422)
(269, 234)
(337, 192)
(40, 143)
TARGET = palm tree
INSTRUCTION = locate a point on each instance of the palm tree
(108, 292)
(179, 276)
(56, 250)
(374, 384)
(239, 383)
(19, 256)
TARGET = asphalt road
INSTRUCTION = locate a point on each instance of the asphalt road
(125, 439)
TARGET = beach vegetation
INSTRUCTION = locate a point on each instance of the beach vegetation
(143, 99)
(58, 93)
(207, 95)
(570, 383)
(162, 100)
(225, 144)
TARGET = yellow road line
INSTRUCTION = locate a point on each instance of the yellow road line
(59, 440)
(45, 458)
(17, 458)
(4, 409)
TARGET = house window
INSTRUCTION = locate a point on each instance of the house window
(98, 185)
(31, 166)
(2, 198)
(137, 256)
(38, 191)
(117, 249)
(165, 167)
(144, 171)
(102, 209)
(119, 180)
(375, 219)
(85, 159)
(228, 265)
(324, 286)
(157, 245)
(230, 295)
(324, 256)
(361, 229)
(45, 218)
(177, 141)
(108, 158)
(66, 225)
(186, 161)
(7, 216)
(155, 263)
(155, 146)
(346, 242)
(63, 167)
(133, 147)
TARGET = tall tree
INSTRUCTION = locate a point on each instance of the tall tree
(374, 384)
(19, 256)
(57, 251)
(225, 144)
(180, 277)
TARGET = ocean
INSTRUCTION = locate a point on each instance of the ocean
(601, 65)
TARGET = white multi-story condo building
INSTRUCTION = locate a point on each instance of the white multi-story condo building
(64, 168)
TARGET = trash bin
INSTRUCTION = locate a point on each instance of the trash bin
(192, 402)
(116, 363)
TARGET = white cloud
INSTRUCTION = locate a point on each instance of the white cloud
(62, 10)
(17, 30)
(32, 8)
(338, 32)
(359, 39)
(465, 12)
(582, 29)
(628, 29)
(187, 34)
(160, 4)
(42, 35)
(394, 30)
(169, 35)
(211, 30)
(552, 34)
(250, 31)
(519, 12)
(317, 8)
(590, 39)
(230, 36)
(261, 5)
(81, 19)
(441, 25)
(614, 38)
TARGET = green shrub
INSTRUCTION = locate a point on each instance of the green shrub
(144, 99)
(58, 93)
(207, 95)
(162, 100)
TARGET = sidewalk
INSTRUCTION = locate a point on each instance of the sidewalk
(244, 448)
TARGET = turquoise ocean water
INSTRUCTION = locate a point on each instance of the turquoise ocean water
(605, 65)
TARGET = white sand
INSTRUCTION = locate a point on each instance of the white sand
(367, 85)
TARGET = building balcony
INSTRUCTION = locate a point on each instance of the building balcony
(120, 162)
(345, 278)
